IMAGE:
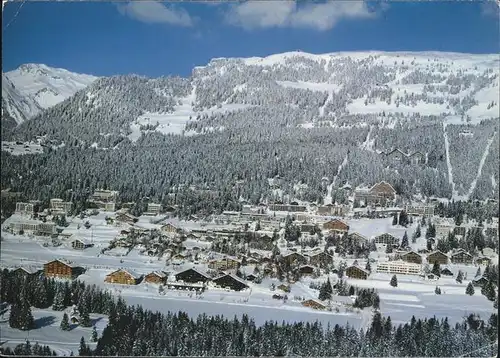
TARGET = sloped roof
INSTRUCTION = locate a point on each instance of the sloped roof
(234, 277)
(132, 273)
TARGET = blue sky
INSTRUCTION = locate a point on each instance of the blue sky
(154, 39)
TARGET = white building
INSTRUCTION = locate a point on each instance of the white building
(399, 267)
(153, 209)
(25, 208)
(58, 206)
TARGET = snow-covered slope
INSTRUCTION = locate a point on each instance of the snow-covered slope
(35, 87)
(14, 104)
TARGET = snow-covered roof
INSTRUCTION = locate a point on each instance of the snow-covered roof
(132, 273)
(160, 274)
(234, 277)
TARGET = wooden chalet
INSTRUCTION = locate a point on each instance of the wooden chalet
(192, 276)
(387, 239)
(357, 238)
(483, 261)
(126, 218)
(230, 281)
(412, 257)
(80, 244)
(156, 277)
(294, 257)
(356, 272)
(169, 229)
(26, 272)
(437, 256)
(61, 269)
(320, 259)
(336, 226)
(314, 305)
(461, 257)
(123, 277)
(284, 288)
(383, 190)
(306, 270)
(479, 281)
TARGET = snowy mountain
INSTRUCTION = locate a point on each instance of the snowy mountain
(299, 115)
(32, 88)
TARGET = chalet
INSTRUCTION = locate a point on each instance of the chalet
(61, 269)
(230, 281)
(357, 238)
(123, 277)
(412, 257)
(399, 267)
(80, 244)
(156, 277)
(320, 259)
(446, 272)
(437, 256)
(27, 272)
(356, 272)
(126, 218)
(336, 226)
(397, 156)
(479, 281)
(483, 261)
(224, 264)
(295, 257)
(306, 270)
(169, 229)
(417, 158)
(383, 190)
(192, 276)
(387, 239)
(461, 257)
(314, 304)
(293, 207)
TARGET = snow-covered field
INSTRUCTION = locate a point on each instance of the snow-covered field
(47, 331)
(413, 296)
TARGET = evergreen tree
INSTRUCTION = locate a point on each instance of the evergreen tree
(436, 269)
(403, 218)
(395, 220)
(59, 298)
(404, 241)
(429, 245)
(488, 290)
(423, 222)
(376, 302)
(437, 291)
(85, 318)
(394, 281)
(65, 322)
(470, 289)
(459, 219)
(388, 249)
(84, 350)
(368, 266)
(478, 272)
(94, 337)
(418, 231)
(20, 315)
(460, 276)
